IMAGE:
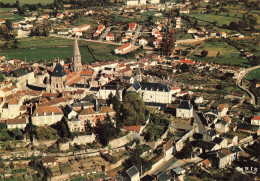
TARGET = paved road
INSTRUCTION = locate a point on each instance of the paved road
(239, 81)
(105, 33)
(136, 34)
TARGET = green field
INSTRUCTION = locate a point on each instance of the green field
(255, 74)
(213, 46)
(49, 48)
(44, 2)
(11, 16)
(221, 19)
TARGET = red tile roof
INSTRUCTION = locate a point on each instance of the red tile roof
(256, 118)
(124, 46)
(188, 61)
(74, 81)
(48, 110)
(134, 128)
(86, 73)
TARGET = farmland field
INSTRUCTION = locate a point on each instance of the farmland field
(49, 48)
(43, 2)
(220, 19)
(255, 74)
(228, 52)
(10, 16)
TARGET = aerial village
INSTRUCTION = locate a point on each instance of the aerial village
(167, 98)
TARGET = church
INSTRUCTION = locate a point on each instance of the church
(59, 80)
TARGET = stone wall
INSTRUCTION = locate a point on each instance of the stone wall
(120, 141)
(180, 144)
(82, 140)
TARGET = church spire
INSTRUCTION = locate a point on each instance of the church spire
(76, 59)
(76, 51)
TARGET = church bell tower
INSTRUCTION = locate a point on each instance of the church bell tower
(76, 59)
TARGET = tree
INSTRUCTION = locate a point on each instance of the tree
(9, 24)
(12, 165)
(184, 67)
(2, 126)
(233, 25)
(16, 134)
(106, 130)
(132, 111)
(204, 53)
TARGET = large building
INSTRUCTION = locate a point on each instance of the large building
(153, 92)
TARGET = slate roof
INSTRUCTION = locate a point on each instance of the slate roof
(227, 136)
(185, 105)
(132, 171)
(20, 72)
(222, 122)
(164, 177)
(67, 109)
(205, 145)
(151, 86)
(58, 71)
(217, 140)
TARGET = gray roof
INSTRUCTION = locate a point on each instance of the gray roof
(217, 140)
(164, 177)
(151, 86)
(58, 71)
(185, 105)
(228, 136)
(132, 171)
(222, 122)
(111, 87)
(178, 169)
(205, 145)
(20, 72)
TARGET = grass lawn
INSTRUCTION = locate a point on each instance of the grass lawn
(221, 19)
(86, 20)
(255, 74)
(49, 48)
(5, 10)
(43, 2)
(11, 16)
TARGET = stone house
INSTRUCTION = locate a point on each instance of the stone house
(153, 92)
(255, 120)
(133, 174)
(46, 115)
(222, 126)
(222, 110)
(232, 139)
(184, 109)
(49, 162)
(19, 123)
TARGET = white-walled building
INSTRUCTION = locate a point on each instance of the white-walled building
(184, 110)
(153, 92)
(255, 120)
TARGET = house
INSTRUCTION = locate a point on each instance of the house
(222, 126)
(2, 21)
(76, 125)
(49, 162)
(60, 16)
(106, 90)
(19, 123)
(127, 79)
(123, 48)
(153, 92)
(179, 173)
(154, 1)
(69, 112)
(255, 120)
(205, 146)
(92, 117)
(184, 11)
(136, 129)
(206, 163)
(133, 173)
(192, 31)
(110, 37)
(124, 39)
(210, 135)
(220, 141)
(231, 139)
(84, 27)
(132, 2)
(225, 158)
(132, 26)
(223, 34)
(46, 115)
(143, 42)
(184, 110)
(222, 110)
